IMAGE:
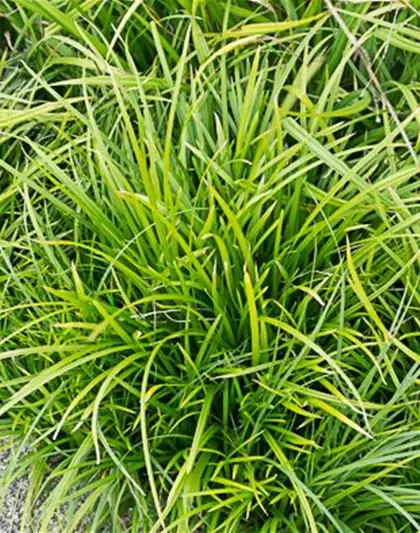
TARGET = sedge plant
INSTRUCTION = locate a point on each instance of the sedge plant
(209, 264)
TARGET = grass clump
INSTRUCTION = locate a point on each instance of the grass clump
(209, 263)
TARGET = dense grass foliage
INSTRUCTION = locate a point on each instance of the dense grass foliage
(209, 263)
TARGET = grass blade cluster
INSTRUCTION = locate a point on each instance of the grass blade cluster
(210, 264)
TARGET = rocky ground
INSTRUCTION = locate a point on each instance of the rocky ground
(11, 513)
